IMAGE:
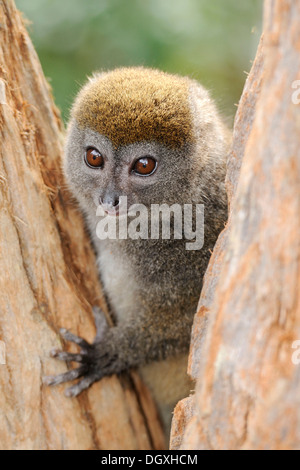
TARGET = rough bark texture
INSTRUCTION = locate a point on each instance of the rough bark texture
(48, 277)
(247, 394)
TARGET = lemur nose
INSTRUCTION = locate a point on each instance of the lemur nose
(109, 203)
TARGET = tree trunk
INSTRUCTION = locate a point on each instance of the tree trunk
(48, 277)
(248, 380)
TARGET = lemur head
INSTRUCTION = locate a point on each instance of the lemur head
(147, 135)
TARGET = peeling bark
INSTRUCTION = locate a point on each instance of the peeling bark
(247, 394)
(48, 277)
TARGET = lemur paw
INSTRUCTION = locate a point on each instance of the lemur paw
(95, 359)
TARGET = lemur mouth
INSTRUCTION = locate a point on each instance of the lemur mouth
(111, 208)
(113, 212)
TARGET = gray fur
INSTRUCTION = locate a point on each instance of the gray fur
(152, 286)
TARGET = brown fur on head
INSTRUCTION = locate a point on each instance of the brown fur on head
(130, 105)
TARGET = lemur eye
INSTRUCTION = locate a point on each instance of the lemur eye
(94, 158)
(145, 166)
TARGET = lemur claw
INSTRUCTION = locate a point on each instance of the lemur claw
(87, 357)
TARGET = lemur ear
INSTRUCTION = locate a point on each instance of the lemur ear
(96, 75)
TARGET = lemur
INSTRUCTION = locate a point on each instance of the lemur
(155, 138)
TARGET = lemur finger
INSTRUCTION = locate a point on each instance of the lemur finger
(68, 336)
(68, 357)
(66, 377)
(83, 384)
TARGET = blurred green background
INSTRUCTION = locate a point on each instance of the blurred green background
(213, 41)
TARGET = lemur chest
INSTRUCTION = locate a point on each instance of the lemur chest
(141, 278)
(119, 282)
